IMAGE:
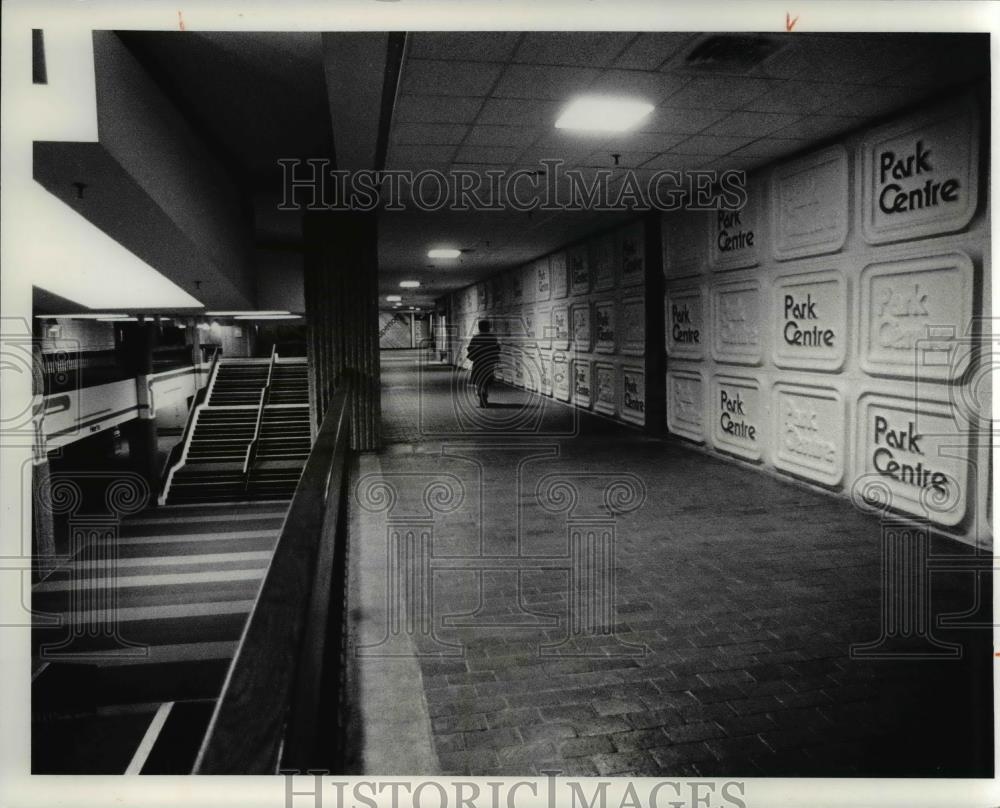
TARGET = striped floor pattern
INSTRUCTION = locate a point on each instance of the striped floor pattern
(147, 622)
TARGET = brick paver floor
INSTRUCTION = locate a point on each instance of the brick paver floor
(737, 599)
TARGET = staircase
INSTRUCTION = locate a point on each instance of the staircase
(238, 384)
(290, 384)
(150, 620)
(227, 458)
(284, 444)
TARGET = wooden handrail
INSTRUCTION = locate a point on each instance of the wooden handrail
(174, 455)
(276, 699)
(262, 402)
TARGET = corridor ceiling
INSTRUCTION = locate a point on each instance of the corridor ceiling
(487, 100)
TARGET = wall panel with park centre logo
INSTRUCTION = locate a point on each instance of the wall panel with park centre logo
(830, 332)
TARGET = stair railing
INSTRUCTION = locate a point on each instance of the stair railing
(265, 393)
(176, 456)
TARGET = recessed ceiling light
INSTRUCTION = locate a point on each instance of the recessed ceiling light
(444, 253)
(393, 298)
(598, 113)
(83, 316)
(239, 313)
(409, 284)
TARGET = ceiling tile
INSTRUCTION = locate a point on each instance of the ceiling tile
(719, 92)
(642, 141)
(429, 133)
(677, 162)
(436, 109)
(418, 157)
(819, 127)
(872, 101)
(472, 46)
(751, 124)
(667, 120)
(518, 136)
(772, 148)
(604, 159)
(651, 86)
(587, 48)
(519, 111)
(537, 81)
(494, 155)
(862, 59)
(422, 76)
(648, 51)
(797, 97)
(709, 144)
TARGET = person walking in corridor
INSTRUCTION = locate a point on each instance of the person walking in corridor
(484, 353)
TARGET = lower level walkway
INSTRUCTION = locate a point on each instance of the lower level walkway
(545, 591)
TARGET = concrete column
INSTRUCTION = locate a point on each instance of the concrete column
(341, 285)
(42, 525)
(138, 341)
(656, 354)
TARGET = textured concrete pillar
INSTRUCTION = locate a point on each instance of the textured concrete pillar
(137, 344)
(656, 355)
(42, 525)
(341, 277)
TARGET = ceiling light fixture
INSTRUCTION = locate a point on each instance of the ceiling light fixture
(597, 113)
(285, 316)
(83, 316)
(409, 284)
(117, 319)
(448, 252)
(393, 298)
(245, 312)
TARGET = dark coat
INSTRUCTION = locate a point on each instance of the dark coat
(484, 352)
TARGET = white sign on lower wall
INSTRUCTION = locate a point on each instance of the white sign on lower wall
(561, 386)
(685, 404)
(685, 323)
(914, 315)
(913, 451)
(582, 383)
(606, 398)
(633, 326)
(633, 388)
(545, 372)
(810, 310)
(810, 428)
(736, 323)
(737, 414)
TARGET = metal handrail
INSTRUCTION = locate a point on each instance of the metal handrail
(280, 704)
(264, 394)
(175, 455)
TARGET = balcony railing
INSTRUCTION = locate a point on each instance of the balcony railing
(281, 704)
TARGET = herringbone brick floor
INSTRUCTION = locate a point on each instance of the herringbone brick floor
(746, 593)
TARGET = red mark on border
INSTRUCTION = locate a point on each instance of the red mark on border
(180, 19)
(789, 22)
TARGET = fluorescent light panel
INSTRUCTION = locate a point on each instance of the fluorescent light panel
(247, 312)
(598, 113)
(448, 252)
(393, 298)
(410, 284)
